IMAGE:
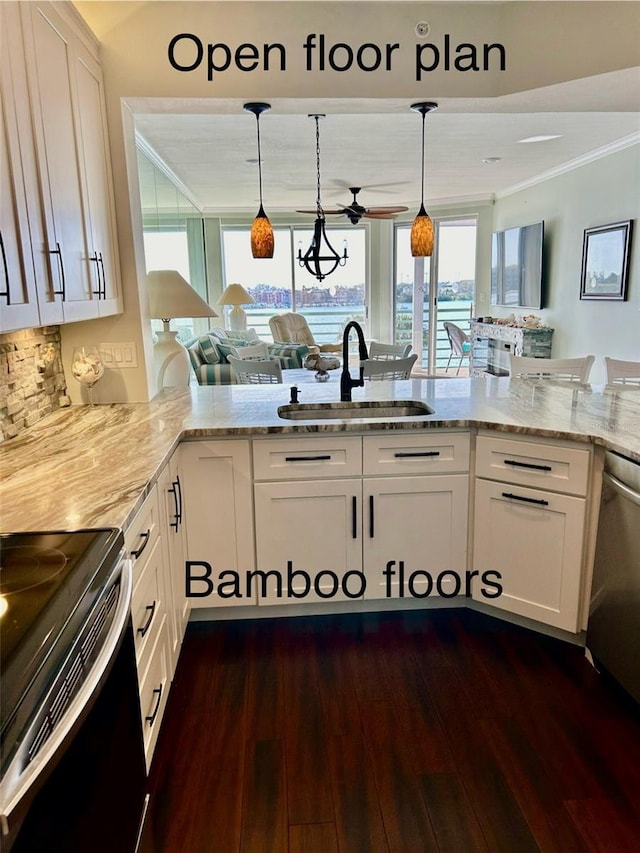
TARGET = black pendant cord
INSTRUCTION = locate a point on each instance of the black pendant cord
(259, 159)
(424, 114)
(319, 209)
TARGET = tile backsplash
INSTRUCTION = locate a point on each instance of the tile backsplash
(32, 382)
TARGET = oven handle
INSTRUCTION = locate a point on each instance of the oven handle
(16, 781)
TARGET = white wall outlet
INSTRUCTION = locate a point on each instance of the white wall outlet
(119, 354)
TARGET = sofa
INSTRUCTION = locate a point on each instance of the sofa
(208, 354)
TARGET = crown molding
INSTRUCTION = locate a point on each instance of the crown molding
(152, 155)
(570, 165)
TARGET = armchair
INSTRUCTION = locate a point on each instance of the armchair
(293, 328)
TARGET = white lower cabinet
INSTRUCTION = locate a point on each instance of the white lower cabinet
(171, 496)
(365, 536)
(529, 526)
(218, 507)
(312, 526)
(415, 536)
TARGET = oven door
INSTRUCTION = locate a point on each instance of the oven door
(85, 788)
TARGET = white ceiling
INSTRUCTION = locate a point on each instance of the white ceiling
(375, 144)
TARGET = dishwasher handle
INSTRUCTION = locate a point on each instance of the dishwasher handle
(622, 488)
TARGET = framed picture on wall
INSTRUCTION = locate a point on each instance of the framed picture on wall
(605, 261)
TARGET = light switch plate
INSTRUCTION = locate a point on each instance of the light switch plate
(120, 354)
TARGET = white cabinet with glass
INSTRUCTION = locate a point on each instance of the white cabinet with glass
(530, 511)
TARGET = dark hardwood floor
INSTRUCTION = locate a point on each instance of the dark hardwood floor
(405, 732)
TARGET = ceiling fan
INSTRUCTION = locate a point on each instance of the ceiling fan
(355, 211)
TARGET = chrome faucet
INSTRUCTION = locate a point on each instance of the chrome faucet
(346, 382)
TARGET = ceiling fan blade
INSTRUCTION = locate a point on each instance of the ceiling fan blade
(370, 215)
(326, 210)
(397, 208)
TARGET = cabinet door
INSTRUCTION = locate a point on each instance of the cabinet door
(421, 522)
(533, 538)
(170, 487)
(218, 509)
(101, 230)
(315, 526)
(50, 68)
(17, 280)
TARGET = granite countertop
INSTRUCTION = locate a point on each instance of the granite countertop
(93, 466)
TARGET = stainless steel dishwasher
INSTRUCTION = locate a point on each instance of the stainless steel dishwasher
(613, 632)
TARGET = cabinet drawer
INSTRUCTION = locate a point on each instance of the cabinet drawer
(143, 532)
(416, 453)
(527, 463)
(153, 693)
(148, 606)
(307, 458)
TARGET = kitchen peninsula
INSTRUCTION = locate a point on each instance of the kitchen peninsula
(93, 466)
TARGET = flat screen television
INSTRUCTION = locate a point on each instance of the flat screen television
(516, 267)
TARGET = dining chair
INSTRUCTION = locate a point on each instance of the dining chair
(388, 352)
(567, 369)
(622, 373)
(397, 368)
(256, 372)
(460, 344)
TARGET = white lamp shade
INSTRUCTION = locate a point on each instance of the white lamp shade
(235, 294)
(171, 296)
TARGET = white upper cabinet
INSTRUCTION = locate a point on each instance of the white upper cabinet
(18, 302)
(63, 170)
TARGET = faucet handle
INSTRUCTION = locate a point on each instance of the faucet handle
(294, 394)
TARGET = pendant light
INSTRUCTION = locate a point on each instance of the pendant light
(262, 240)
(320, 259)
(422, 228)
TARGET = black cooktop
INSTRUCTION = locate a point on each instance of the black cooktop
(47, 583)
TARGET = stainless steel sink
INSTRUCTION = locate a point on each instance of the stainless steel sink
(383, 409)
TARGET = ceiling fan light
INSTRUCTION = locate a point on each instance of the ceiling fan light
(422, 235)
(262, 239)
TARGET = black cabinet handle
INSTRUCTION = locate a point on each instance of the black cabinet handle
(157, 692)
(539, 501)
(63, 290)
(411, 454)
(175, 524)
(307, 458)
(145, 540)
(94, 259)
(531, 465)
(354, 517)
(144, 628)
(104, 278)
(178, 485)
(371, 518)
(6, 293)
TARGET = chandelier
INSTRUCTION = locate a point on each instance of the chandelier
(320, 259)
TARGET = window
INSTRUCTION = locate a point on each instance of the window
(421, 311)
(280, 284)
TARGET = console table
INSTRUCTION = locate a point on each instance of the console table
(493, 343)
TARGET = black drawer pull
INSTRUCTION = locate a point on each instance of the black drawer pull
(94, 259)
(307, 458)
(354, 517)
(539, 501)
(527, 465)
(104, 280)
(6, 292)
(157, 692)
(152, 609)
(371, 517)
(413, 453)
(145, 541)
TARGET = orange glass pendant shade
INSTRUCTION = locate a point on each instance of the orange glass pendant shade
(262, 239)
(422, 235)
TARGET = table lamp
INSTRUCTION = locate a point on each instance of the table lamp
(236, 295)
(171, 296)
